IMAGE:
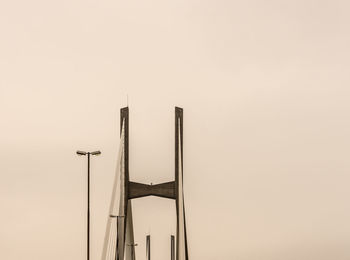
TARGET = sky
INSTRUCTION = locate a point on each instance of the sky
(265, 90)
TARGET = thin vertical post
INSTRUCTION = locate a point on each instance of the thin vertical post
(148, 247)
(80, 153)
(88, 209)
(172, 241)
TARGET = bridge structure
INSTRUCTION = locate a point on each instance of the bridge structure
(119, 241)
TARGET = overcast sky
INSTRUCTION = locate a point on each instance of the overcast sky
(265, 91)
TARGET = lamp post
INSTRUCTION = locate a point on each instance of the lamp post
(80, 153)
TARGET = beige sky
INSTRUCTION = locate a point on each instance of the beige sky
(265, 91)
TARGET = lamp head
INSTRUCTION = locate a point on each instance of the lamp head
(81, 153)
(96, 153)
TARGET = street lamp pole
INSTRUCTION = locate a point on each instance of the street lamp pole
(88, 197)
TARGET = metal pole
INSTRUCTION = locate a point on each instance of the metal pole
(148, 247)
(172, 254)
(80, 153)
(88, 209)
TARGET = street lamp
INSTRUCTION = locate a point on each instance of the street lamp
(80, 153)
